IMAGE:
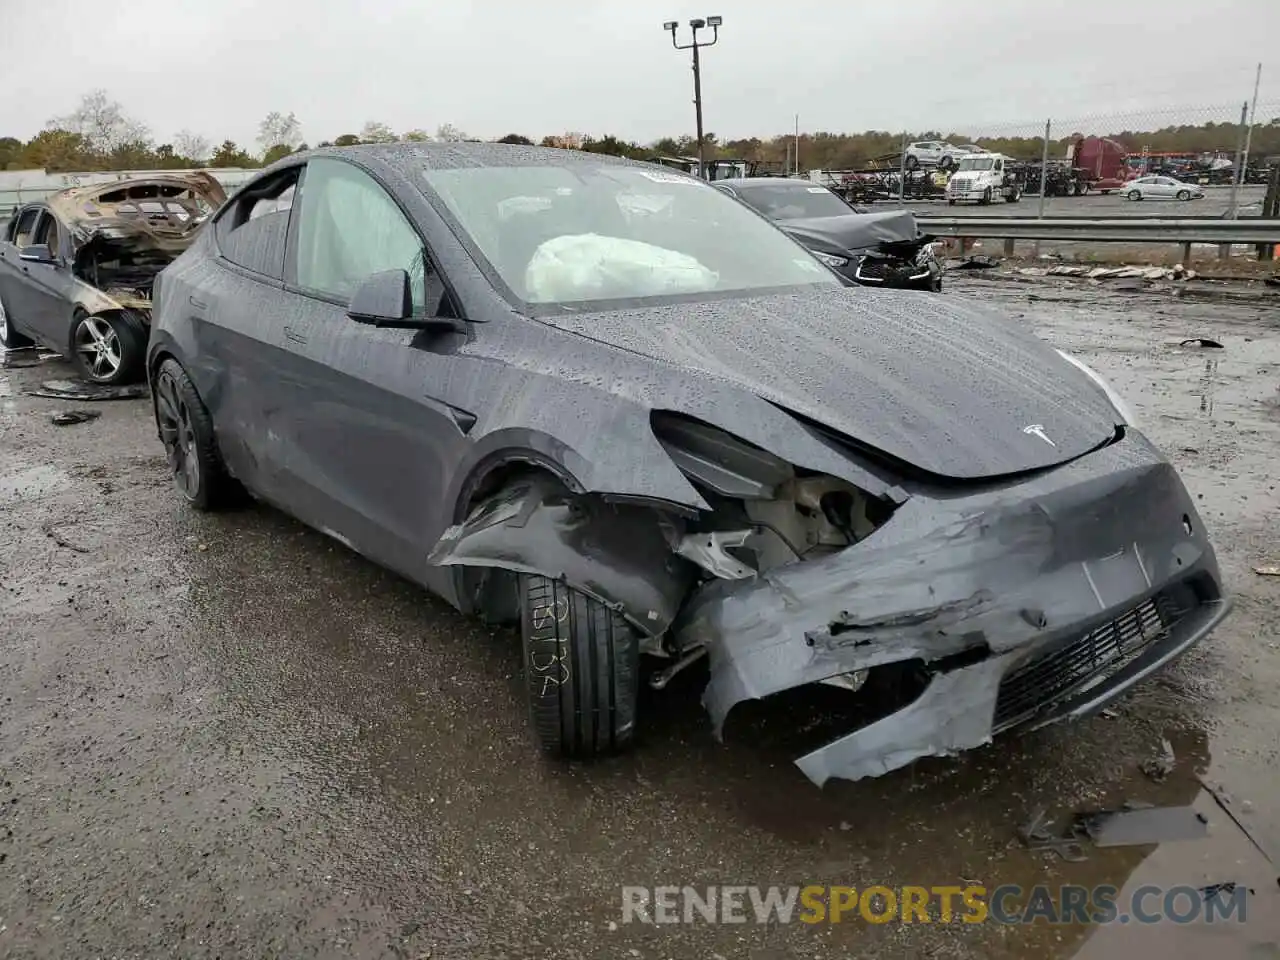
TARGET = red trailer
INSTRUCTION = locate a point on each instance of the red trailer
(1104, 162)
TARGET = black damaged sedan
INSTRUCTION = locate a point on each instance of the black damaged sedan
(883, 249)
(540, 384)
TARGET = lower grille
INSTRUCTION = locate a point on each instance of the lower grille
(1083, 662)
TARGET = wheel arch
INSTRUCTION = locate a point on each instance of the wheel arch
(520, 511)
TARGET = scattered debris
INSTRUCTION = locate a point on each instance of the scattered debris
(1267, 571)
(1134, 824)
(68, 417)
(1129, 828)
(977, 262)
(1039, 838)
(1200, 342)
(1159, 767)
(1032, 271)
(1123, 273)
(83, 390)
(1272, 281)
(60, 540)
(1213, 889)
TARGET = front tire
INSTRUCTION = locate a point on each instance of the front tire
(186, 430)
(110, 348)
(1184, 194)
(582, 670)
(986, 197)
(10, 338)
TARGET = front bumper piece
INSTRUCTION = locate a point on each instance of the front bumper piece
(1023, 604)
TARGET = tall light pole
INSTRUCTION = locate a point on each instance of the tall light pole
(698, 23)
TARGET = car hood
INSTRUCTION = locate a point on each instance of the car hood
(938, 383)
(855, 231)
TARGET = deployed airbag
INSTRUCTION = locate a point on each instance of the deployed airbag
(588, 266)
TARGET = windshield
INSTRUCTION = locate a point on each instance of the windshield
(793, 201)
(976, 163)
(577, 233)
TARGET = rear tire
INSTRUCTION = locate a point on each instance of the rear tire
(1135, 195)
(10, 338)
(109, 349)
(582, 670)
(1014, 197)
(911, 161)
(186, 430)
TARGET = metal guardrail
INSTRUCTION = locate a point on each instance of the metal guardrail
(1119, 229)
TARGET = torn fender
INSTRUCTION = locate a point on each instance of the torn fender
(615, 553)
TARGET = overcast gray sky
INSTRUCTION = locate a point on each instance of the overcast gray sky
(605, 66)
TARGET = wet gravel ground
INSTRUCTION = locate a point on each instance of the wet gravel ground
(227, 736)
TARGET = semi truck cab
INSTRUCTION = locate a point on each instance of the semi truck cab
(984, 177)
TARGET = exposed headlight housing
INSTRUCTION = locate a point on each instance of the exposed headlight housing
(829, 260)
(1121, 405)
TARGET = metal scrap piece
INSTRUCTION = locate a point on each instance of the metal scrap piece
(1126, 828)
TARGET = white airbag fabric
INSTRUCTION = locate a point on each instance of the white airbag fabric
(588, 266)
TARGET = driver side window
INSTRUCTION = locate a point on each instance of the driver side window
(24, 230)
(350, 229)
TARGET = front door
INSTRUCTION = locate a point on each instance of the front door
(370, 442)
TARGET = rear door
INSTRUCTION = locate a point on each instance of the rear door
(239, 316)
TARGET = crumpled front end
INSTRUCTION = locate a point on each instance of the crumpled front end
(1017, 604)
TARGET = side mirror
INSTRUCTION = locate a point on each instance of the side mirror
(383, 300)
(37, 253)
(386, 300)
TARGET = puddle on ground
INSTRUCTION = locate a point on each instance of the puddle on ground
(30, 483)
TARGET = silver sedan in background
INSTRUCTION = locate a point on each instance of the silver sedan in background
(1162, 188)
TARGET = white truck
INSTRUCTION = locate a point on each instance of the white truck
(984, 177)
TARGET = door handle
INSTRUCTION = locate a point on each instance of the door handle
(293, 335)
(198, 304)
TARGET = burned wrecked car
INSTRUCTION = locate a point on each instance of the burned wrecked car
(540, 384)
(885, 249)
(76, 270)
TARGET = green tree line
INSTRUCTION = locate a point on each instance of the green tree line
(99, 135)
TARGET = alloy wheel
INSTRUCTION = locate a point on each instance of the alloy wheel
(178, 436)
(98, 345)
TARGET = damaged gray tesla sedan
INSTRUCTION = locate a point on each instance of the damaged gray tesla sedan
(542, 385)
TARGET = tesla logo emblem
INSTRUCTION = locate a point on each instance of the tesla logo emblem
(1037, 430)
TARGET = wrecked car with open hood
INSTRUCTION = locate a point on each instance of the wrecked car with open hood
(882, 249)
(540, 384)
(77, 270)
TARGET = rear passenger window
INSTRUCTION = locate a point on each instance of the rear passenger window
(253, 230)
